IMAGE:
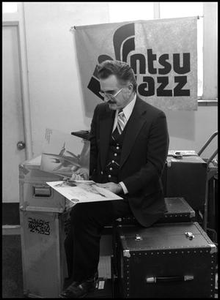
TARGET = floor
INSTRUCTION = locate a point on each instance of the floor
(12, 283)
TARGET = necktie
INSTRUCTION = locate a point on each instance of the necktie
(121, 122)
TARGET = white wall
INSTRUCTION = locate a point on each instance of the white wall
(55, 92)
(190, 130)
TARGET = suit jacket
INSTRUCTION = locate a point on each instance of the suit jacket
(143, 157)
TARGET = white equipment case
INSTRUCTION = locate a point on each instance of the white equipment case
(44, 215)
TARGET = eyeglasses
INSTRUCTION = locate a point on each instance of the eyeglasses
(108, 95)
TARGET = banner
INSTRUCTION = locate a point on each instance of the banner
(162, 53)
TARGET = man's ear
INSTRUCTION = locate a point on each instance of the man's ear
(130, 88)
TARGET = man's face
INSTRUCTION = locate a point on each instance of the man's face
(110, 86)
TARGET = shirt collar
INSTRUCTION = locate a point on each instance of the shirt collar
(127, 110)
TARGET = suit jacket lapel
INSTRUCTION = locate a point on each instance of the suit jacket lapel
(106, 124)
(134, 125)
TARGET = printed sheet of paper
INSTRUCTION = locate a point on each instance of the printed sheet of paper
(81, 191)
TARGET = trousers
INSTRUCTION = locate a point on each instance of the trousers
(82, 243)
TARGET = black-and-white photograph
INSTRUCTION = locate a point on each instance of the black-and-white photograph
(110, 150)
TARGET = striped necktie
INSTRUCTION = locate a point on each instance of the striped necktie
(121, 122)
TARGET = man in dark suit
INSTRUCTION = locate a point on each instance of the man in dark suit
(129, 145)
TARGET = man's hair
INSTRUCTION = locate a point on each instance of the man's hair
(120, 69)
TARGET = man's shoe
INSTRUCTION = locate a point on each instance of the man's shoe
(80, 290)
(68, 292)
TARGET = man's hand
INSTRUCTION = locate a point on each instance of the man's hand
(80, 174)
(111, 186)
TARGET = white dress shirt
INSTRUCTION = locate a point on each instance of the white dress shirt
(127, 110)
